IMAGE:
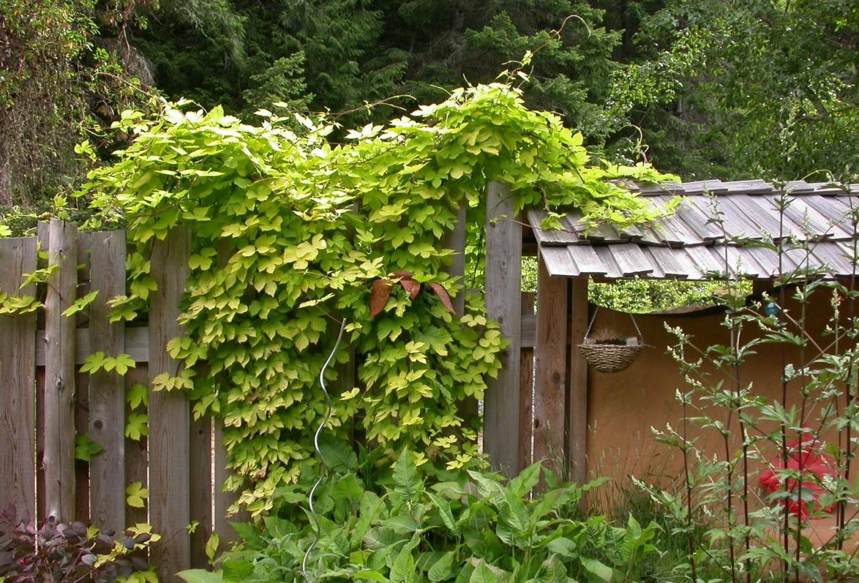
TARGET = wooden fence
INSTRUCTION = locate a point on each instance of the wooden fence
(45, 401)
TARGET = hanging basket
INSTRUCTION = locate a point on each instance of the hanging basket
(611, 355)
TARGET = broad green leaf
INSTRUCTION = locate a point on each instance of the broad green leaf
(406, 476)
(200, 576)
(443, 568)
(212, 546)
(338, 454)
(237, 570)
(600, 570)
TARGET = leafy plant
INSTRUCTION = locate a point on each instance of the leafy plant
(466, 526)
(290, 232)
(71, 553)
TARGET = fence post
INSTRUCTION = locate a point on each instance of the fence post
(577, 402)
(169, 427)
(503, 303)
(107, 389)
(59, 456)
(17, 381)
(526, 390)
(551, 353)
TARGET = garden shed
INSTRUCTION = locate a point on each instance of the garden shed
(594, 423)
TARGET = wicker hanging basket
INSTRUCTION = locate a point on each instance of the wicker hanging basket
(612, 354)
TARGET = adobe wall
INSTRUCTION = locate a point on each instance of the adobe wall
(623, 407)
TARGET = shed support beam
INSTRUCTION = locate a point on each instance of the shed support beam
(551, 373)
(577, 395)
(503, 303)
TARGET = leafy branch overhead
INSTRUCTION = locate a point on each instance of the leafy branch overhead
(292, 233)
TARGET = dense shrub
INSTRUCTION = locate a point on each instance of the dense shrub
(70, 553)
(466, 526)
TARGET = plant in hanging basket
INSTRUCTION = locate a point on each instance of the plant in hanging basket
(607, 351)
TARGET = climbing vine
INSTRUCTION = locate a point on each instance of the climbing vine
(292, 233)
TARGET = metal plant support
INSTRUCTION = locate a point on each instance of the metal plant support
(323, 473)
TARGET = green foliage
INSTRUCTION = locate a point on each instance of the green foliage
(641, 296)
(759, 88)
(136, 495)
(55, 85)
(465, 526)
(301, 228)
(86, 448)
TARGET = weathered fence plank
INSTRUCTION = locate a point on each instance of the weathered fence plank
(59, 455)
(577, 401)
(455, 240)
(136, 452)
(526, 391)
(107, 389)
(504, 278)
(201, 488)
(223, 500)
(17, 380)
(82, 504)
(551, 370)
(169, 428)
(136, 345)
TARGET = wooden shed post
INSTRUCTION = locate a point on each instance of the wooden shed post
(169, 431)
(59, 456)
(551, 371)
(503, 303)
(577, 394)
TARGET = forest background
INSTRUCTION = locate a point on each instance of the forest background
(701, 88)
(725, 89)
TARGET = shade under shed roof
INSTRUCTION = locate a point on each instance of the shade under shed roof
(689, 245)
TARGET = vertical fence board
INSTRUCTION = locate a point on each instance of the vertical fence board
(503, 302)
(201, 488)
(107, 389)
(526, 390)
(41, 509)
(455, 240)
(82, 505)
(550, 353)
(43, 242)
(169, 428)
(223, 500)
(17, 381)
(577, 401)
(136, 453)
(59, 454)
(82, 383)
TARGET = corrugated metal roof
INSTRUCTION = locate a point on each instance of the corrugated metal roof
(691, 245)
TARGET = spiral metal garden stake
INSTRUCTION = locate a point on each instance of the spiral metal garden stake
(324, 471)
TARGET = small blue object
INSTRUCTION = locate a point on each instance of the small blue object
(771, 309)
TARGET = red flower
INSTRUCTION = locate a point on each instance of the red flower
(812, 466)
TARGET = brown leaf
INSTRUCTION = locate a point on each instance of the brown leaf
(379, 295)
(404, 274)
(412, 287)
(443, 296)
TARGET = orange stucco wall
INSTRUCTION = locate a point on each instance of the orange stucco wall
(623, 407)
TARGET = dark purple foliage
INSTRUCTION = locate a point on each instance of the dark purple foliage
(63, 553)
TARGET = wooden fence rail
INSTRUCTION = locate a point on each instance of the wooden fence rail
(46, 402)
